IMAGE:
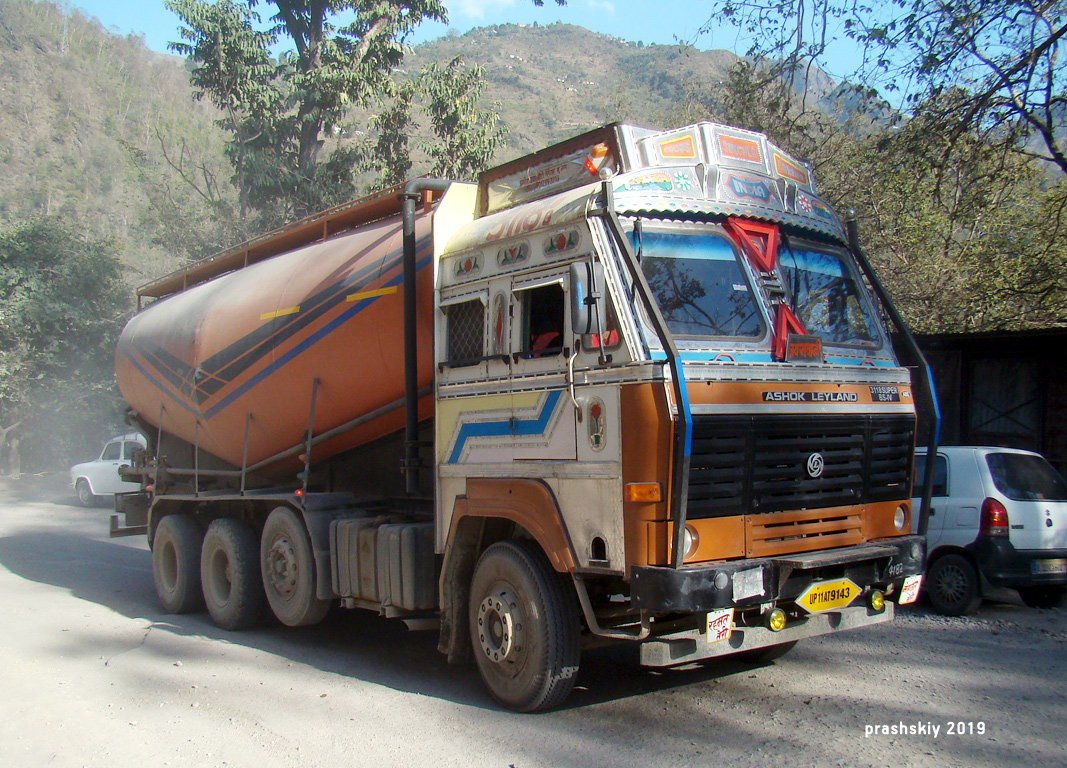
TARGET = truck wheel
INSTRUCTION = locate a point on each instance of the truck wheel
(85, 493)
(1042, 597)
(229, 570)
(766, 654)
(952, 586)
(288, 569)
(524, 628)
(176, 564)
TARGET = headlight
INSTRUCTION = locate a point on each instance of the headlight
(690, 541)
(900, 518)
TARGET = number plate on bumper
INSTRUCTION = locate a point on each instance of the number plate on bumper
(1048, 566)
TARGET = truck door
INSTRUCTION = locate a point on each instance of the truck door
(542, 417)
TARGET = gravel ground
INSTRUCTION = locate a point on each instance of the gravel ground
(93, 673)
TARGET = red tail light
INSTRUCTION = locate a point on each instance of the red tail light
(994, 520)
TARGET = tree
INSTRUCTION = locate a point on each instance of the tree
(62, 304)
(963, 230)
(279, 113)
(1003, 53)
(466, 137)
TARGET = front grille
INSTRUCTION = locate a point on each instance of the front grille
(753, 464)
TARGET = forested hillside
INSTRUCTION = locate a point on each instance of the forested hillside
(85, 116)
(559, 80)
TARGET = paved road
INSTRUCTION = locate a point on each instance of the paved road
(93, 673)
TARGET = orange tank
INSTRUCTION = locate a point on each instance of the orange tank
(253, 341)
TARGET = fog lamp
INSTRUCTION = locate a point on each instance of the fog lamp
(876, 599)
(776, 620)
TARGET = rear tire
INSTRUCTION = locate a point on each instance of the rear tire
(524, 628)
(1042, 597)
(288, 569)
(176, 564)
(229, 571)
(952, 586)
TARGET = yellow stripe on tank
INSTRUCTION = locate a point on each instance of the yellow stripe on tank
(280, 313)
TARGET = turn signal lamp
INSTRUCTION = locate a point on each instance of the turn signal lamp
(776, 620)
(643, 492)
(876, 599)
(994, 523)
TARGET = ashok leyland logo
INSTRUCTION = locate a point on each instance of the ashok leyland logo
(815, 465)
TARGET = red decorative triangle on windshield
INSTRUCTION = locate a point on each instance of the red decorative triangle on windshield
(758, 241)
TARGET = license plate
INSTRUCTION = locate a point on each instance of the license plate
(1048, 566)
(909, 593)
(720, 623)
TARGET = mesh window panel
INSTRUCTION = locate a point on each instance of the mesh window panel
(466, 331)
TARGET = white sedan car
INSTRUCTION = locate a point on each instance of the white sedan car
(93, 479)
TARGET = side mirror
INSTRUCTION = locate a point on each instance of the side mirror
(588, 298)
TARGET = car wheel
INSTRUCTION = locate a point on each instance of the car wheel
(1042, 597)
(229, 571)
(524, 628)
(176, 564)
(952, 586)
(85, 493)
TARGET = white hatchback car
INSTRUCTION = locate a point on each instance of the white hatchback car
(998, 519)
(93, 479)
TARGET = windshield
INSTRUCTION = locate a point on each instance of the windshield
(698, 283)
(1022, 477)
(824, 296)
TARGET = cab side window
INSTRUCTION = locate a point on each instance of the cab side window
(543, 313)
(466, 332)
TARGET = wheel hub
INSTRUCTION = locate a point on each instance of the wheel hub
(499, 627)
(281, 567)
(951, 586)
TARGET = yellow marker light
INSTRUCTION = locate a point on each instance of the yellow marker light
(643, 492)
(776, 620)
(876, 600)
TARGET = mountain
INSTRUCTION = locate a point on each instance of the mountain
(560, 80)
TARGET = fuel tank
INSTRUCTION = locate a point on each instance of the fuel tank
(246, 349)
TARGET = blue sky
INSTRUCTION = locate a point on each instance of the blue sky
(633, 20)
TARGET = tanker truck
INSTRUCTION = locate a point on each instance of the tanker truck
(639, 386)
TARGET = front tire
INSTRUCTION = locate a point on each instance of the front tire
(288, 568)
(229, 571)
(176, 564)
(952, 586)
(1042, 597)
(524, 627)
